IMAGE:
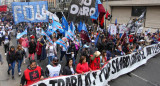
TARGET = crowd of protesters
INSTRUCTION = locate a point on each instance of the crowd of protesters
(92, 56)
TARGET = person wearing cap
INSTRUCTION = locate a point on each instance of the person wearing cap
(6, 41)
(11, 59)
(32, 47)
(32, 74)
(92, 47)
(95, 61)
(54, 69)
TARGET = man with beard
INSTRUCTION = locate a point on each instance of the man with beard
(32, 74)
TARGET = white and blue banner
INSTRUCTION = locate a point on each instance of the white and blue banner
(29, 11)
(113, 69)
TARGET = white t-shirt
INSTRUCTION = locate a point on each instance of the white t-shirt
(72, 70)
(38, 30)
(54, 71)
(6, 40)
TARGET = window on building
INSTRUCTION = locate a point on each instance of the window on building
(137, 11)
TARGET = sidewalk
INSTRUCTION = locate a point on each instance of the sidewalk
(6, 80)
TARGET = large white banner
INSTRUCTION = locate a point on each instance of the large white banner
(114, 68)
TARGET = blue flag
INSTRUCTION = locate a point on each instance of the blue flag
(80, 26)
(72, 27)
(84, 27)
(96, 14)
(61, 42)
(57, 25)
(64, 23)
(21, 34)
(48, 38)
(96, 40)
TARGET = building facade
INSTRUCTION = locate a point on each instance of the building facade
(124, 10)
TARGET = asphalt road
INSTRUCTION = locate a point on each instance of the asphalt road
(146, 75)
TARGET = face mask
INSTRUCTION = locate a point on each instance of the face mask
(56, 63)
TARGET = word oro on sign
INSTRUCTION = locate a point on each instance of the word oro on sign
(84, 9)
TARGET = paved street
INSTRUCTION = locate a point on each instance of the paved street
(146, 75)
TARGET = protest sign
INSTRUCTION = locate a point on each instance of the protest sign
(29, 11)
(122, 28)
(113, 29)
(81, 10)
(140, 30)
(113, 69)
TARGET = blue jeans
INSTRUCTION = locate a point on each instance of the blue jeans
(12, 67)
(50, 58)
(74, 61)
(19, 65)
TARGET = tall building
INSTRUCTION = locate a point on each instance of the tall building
(124, 10)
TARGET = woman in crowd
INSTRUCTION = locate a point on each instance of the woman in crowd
(32, 47)
(51, 52)
(38, 49)
(103, 58)
(82, 66)
(69, 69)
(11, 59)
(20, 54)
(25, 44)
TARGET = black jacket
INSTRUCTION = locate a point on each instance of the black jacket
(20, 54)
(32, 47)
(67, 70)
(70, 49)
(3, 38)
(11, 56)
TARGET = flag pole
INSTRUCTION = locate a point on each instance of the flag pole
(63, 14)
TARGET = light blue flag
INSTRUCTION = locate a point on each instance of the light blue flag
(96, 14)
(72, 27)
(21, 34)
(57, 25)
(48, 38)
(61, 42)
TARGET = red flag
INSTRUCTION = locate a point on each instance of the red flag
(107, 14)
(102, 12)
(84, 36)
